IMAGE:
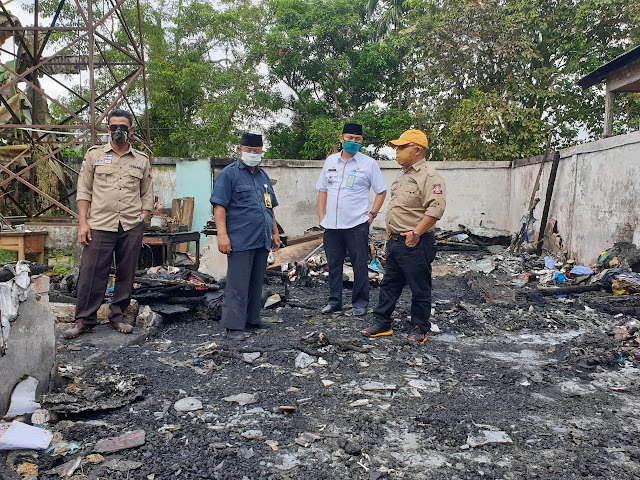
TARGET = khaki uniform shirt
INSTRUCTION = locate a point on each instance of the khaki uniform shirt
(416, 192)
(118, 187)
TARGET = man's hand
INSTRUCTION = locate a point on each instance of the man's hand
(409, 240)
(370, 218)
(321, 217)
(145, 215)
(224, 244)
(388, 235)
(275, 242)
(84, 234)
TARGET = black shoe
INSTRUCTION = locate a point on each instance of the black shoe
(237, 335)
(418, 336)
(359, 312)
(377, 331)
(330, 309)
(256, 326)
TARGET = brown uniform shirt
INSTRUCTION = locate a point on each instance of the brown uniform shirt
(417, 192)
(118, 187)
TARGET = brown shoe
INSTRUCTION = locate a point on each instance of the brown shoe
(121, 327)
(78, 329)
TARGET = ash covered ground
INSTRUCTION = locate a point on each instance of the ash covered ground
(503, 392)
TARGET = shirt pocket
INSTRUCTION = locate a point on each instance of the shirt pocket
(103, 175)
(243, 194)
(332, 179)
(134, 178)
(409, 194)
(362, 178)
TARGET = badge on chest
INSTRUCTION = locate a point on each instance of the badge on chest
(267, 197)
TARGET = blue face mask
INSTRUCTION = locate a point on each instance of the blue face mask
(351, 147)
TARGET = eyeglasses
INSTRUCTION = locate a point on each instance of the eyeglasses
(122, 128)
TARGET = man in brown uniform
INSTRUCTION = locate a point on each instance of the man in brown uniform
(417, 203)
(115, 182)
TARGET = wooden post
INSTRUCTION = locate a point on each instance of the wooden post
(547, 203)
(608, 111)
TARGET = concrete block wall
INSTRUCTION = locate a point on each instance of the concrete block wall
(596, 199)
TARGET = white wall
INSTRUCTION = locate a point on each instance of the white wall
(476, 193)
(596, 199)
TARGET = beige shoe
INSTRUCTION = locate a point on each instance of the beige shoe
(78, 329)
(121, 327)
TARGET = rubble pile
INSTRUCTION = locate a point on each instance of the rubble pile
(523, 380)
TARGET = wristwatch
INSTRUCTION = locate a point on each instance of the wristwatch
(415, 235)
(373, 214)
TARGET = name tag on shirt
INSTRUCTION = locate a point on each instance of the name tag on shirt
(350, 179)
(267, 200)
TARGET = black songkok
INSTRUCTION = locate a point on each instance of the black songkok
(251, 140)
(352, 128)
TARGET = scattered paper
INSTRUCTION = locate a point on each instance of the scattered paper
(20, 436)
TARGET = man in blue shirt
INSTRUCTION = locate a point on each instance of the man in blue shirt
(343, 210)
(243, 201)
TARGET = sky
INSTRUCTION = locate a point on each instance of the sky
(16, 7)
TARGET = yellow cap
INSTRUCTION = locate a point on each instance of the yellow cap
(410, 136)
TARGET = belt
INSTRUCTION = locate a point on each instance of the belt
(399, 238)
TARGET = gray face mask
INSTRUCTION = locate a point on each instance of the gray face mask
(120, 137)
(251, 159)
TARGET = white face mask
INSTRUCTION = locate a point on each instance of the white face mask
(251, 159)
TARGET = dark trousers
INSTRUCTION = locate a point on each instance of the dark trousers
(94, 273)
(336, 244)
(243, 293)
(407, 266)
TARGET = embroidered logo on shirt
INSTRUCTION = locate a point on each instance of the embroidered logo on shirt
(437, 189)
(411, 180)
(150, 172)
(137, 167)
(82, 168)
(108, 158)
(99, 160)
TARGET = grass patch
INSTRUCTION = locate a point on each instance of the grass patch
(8, 256)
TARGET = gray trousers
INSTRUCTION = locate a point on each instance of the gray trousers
(94, 273)
(243, 293)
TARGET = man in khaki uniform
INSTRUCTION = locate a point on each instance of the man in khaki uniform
(417, 202)
(115, 198)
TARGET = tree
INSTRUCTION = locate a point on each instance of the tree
(327, 59)
(203, 76)
(498, 75)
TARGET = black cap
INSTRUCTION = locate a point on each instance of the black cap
(251, 140)
(352, 128)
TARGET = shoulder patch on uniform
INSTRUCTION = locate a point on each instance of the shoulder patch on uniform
(437, 189)
(140, 152)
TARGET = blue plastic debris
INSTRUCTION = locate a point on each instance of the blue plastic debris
(376, 266)
(549, 263)
(559, 278)
(580, 270)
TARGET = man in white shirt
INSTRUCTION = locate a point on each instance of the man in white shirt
(343, 210)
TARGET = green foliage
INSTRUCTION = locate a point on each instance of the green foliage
(8, 256)
(499, 75)
(486, 80)
(203, 79)
(328, 58)
(62, 265)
